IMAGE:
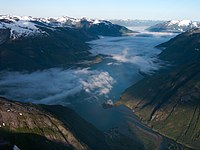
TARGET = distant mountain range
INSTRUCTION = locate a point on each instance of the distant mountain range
(130, 22)
(174, 26)
(28, 43)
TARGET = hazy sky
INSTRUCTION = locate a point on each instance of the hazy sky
(107, 9)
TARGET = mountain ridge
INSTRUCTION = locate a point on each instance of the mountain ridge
(29, 26)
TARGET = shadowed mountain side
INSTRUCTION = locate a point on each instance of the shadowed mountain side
(169, 103)
(81, 129)
(33, 126)
(182, 48)
(61, 47)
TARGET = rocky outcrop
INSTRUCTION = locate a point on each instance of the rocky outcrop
(32, 126)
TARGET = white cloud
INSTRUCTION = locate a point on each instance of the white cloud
(102, 81)
(53, 85)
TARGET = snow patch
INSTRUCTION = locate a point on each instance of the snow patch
(96, 22)
(173, 22)
(15, 148)
(185, 23)
(20, 28)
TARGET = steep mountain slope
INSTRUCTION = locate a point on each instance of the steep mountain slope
(46, 127)
(169, 101)
(28, 43)
(59, 48)
(174, 26)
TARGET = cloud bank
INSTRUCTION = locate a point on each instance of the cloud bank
(52, 85)
(136, 50)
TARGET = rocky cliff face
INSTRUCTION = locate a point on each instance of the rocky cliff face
(46, 127)
(169, 101)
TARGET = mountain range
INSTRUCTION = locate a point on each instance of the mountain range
(28, 43)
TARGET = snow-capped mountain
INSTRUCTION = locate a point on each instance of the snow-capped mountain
(174, 26)
(29, 26)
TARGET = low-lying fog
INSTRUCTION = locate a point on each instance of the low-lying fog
(125, 57)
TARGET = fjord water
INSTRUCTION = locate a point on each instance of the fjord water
(85, 89)
(125, 58)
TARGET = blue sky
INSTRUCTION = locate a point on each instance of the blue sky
(107, 9)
